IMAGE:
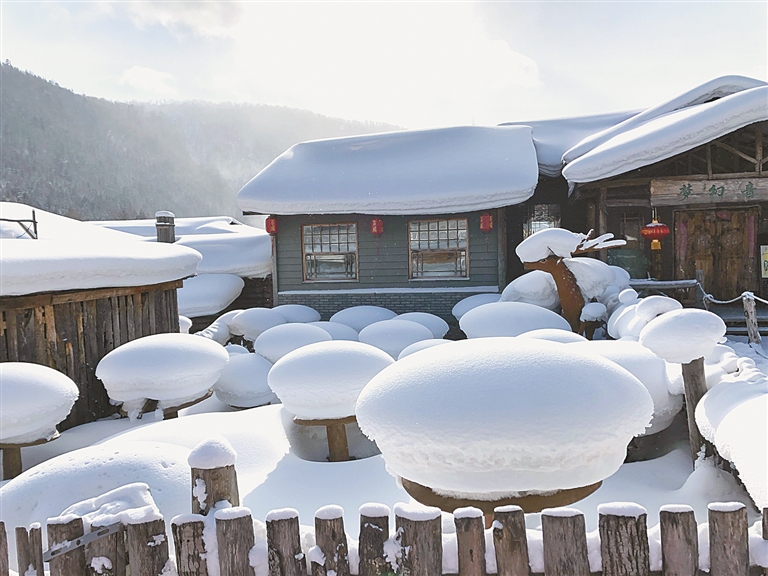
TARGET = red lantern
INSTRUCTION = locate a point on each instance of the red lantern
(655, 232)
(377, 227)
(270, 225)
(486, 222)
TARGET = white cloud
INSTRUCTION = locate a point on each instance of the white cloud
(209, 18)
(149, 84)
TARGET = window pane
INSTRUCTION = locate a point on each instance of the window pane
(329, 251)
(438, 248)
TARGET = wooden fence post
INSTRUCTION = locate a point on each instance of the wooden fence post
(624, 539)
(470, 540)
(187, 530)
(750, 315)
(29, 549)
(420, 533)
(728, 539)
(564, 537)
(234, 534)
(374, 531)
(111, 548)
(213, 475)
(679, 541)
(147, 547)
(331, 539)
(316, 562)
(284, 543)
(510, 541)
(695, 383)
(61, 529)
(5, 569)
(765, 535)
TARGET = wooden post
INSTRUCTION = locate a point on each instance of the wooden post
(213, 485)
(147, 547)
(187, 530)
(374, 532)
(234, 533)
(29, 549)
(624, 539)
(5, 568)
(510, 541)
(700, 291)
(728, 539)
(420, 534)
(750, 315)
(679, 541)
(765, 537)
(11, 461)
(470, 540)
(66, 528)
(165, 226)
(338, 449)
(564, 537)
(284, 543)
(331, 539)
(111, 547)
(316, 562)
(695, 383)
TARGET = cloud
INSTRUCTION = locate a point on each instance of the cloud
(150, 84)
(208, 18)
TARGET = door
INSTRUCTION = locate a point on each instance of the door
(722, 243)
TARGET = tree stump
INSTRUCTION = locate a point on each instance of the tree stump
(338, 447)
(29, 549)
(111, 547)
(750, 315)
(187, 530)
(624, 540)
(5, 568)
(564, 536)
(421, 540)
(374, 532)
(510, 541)
(332, 540)
(728, 539)
(284, 543)
(470, 540)
(212, 485)
(147, 547)
(72, 563)
(234, 533)
(679, 541)
(695, 383)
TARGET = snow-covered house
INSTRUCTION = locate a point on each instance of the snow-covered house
(70, 292)
(698, 162)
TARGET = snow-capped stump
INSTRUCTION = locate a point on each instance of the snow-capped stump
(358, 317)
(536, 287)
(184, 324)
(35, 399)
(320, 384)
(470, 302)
(421, 345)
(251, 323)
(593, 312)
(243, 382)
(540, 423)
(298, 313)
(392, 336)
(278, 341)
(509, 319)
(337, 330)
(213, 474)
(554, 335)
(176, 370)
(436, 325)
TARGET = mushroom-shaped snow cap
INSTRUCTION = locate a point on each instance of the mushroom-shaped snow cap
(593, 311)
(651, 306)
(243, 382)
(535, 287)
(465, 305)
(422, 345)
(436, 325)
(683, 335)
(538, 417)
(393, 336)
(163, 367)
(35, 399)
(358, 317)
(298, 313)
(555, 335)
(337, 330)
(278, 341)
(322, 381)
(252, 322)
(509, 319)
(548, 242)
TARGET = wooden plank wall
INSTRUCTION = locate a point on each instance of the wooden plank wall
(72, 331)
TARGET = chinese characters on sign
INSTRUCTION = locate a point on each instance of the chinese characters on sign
(694, 192)
(685, 191)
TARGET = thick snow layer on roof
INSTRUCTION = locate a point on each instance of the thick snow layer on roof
(227, 245)
(667, 135)
(438, 171)
(539, 416)
(35, 399)
(552, 138)
(208, 294)
(70, 255)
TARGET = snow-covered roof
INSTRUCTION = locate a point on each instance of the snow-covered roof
(444, 170)
(683, 123)
(70, 255)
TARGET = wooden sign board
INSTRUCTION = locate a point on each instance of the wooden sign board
(684, 192)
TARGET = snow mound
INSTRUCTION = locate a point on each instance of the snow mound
(646, 367)
(358, 317)
(465, 305)
(219, 330)
(536, 287)
(592, 275)
(337, 330)
(243, 382)
(538, 417)
(35, 399)
(215, 452)
(421, 345)
(252, 322)
(184, 324)
(298, 313)
(278, 341)
(555, 335)
(323, 380)
(436, 325)
(683, 335)
(165, 367)
(548, 242)
(593, 311)
(129, 504)
(651, 306)
(393, 336)
(509, 319)
(208, 294)
(236, 350)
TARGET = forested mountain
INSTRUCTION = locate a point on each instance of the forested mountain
(91, 158)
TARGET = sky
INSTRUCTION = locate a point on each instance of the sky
(412, 64)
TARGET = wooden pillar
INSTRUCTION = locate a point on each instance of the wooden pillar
(165, 226)
(624, 540)
(11, 461)
(679, 541)
(602, 219)
(338, 448)
(234, 534)
(332, 540)
(765, 536)
(72, 563)
(510, 541)
(284, 543)
(187, 530)
(147, 547)
(374, 532)
(750, 315)
(695, 382)
(564, 536)
(212, 485)
(728, 539)
(470, 539)
(421, 540)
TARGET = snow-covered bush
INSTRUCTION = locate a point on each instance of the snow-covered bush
(509, 319)
(436, 325)
(421, 345)
(337, 330)
(536, 287)
(358, 317)
(683, 335)
(470, 302)
(219, 330)
(393, 336)
(554, 335)
(298, 313)
(279, 340)
(252, 322)
(243, 382)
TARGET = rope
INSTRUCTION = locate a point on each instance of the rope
(743, 296)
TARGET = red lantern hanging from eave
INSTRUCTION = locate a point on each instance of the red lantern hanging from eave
(486, 222)
(377, 226)
(655, 232)
(270, 225)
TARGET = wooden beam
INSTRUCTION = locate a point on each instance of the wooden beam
(628, 202)
(759, 150)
